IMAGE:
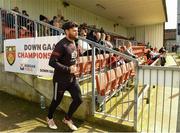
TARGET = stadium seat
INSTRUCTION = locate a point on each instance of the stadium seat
(112, 81)
(124, 72)
(87, 64)
(102, 85)
(99, 61)
(132, 67)
(80, 65)
(106, 59)
(119, 75)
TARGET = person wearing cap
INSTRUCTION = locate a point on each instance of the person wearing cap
(63, 59)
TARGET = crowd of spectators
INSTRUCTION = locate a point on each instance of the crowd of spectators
(87, 32)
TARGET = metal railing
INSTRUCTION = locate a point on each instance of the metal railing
(15, 25)
(158, 103)
(114, 90)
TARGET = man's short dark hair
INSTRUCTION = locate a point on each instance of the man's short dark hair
(68, 25)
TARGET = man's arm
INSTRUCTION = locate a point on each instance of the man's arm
(53, 61)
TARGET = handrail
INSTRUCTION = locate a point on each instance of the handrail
(153, 64)
(159, 68)
(108, 49)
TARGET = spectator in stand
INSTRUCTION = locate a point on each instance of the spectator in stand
(103, 37)
(56, 24)
(122, 48)
(24, 12)
(163, 57)
(16, 9)
(128, 51)
(52, 21)
(43, 18)
(43, 30)
(155, 50)
(160, 50)
(91, 35)
(102, 30)
(154, 54)
(108, 41)
(83, 47)
(116, 60)
(84, 26)
(63, 20)
(24, 21)
(99, 37)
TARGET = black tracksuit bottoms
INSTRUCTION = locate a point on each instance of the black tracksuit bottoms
(59, 89)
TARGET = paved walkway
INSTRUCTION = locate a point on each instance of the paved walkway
(170, 61)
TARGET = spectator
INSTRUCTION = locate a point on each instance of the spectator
(108, 41)
(84, 48)
(43, 18)
(91, 36)
(24, 12)
(24, 21)
(103, 37)
(128, 51)
(98, 39)
(43, 30)
(16, 9)
(160, 50)
(57, 25)
(154, 54)
(52, 21)
(163, 57)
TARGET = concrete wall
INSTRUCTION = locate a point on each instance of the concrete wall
(30, 88)
(51, 8)
(154, 34)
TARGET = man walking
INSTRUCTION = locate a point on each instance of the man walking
(63, 59)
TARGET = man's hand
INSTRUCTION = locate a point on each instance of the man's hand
(73, 69)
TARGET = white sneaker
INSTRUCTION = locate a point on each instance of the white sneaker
(70, 124)
(51, 123)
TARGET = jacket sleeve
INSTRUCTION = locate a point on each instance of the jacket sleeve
(54, 59)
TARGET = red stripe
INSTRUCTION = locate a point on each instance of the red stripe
(56, 53)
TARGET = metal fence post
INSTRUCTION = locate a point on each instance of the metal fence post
(136, 97)
(35, 29)
(178, 118)
(93, 79)
(1, 35)
(16, 26)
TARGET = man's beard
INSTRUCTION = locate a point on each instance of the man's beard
(73, 37)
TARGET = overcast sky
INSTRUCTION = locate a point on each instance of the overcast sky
(172, 14)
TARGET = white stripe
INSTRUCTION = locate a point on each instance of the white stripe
(55, 90)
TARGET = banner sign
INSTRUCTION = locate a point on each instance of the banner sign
(30, 55)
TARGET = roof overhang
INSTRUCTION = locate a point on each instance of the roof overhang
(126, 12)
